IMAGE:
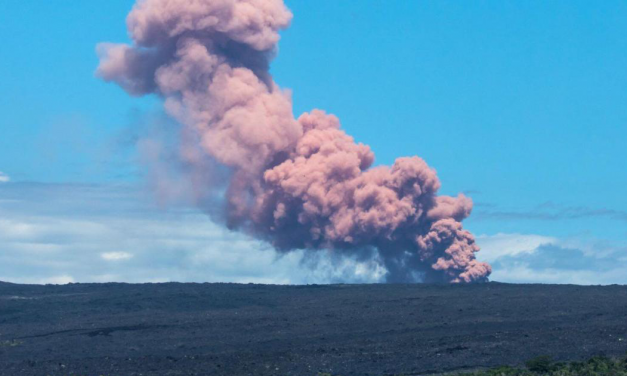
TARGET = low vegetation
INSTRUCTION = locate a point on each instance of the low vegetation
(544, 366)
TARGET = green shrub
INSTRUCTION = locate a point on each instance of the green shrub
(540, 364)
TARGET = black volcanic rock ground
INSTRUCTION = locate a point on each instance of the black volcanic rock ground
(227, 329)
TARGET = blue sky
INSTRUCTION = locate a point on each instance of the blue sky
(519, 104)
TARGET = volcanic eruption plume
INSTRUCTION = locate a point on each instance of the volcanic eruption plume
(296, 183)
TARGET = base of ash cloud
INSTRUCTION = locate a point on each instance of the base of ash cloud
(230, 329)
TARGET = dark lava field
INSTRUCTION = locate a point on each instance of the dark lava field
(230, 329)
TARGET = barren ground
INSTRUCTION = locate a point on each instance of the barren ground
(229, 329)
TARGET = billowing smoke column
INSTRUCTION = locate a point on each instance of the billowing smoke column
(296, 183)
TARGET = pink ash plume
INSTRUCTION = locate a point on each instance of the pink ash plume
(296, 183)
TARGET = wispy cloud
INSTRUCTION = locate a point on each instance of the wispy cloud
(549, 211)
(4, 178)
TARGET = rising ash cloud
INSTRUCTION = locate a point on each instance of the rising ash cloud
(297, 183)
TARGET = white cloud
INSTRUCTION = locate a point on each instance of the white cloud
(115, 256)
(529, 258)
(64, 233)
(4, 178)
(525, 274)
(62, 279)
(61, 234)
(58, 280)
(495, 246)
